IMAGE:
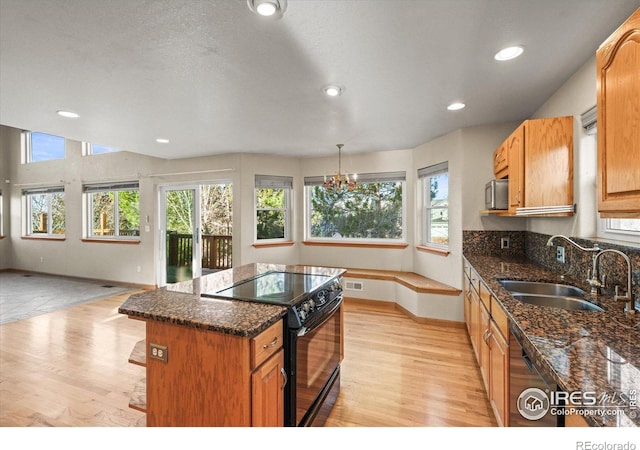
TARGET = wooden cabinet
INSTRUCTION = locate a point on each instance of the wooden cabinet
(539, 167)
(515, 149)
(483, 354)
(267, 387)
(618, 97)
(488, 328)
(499, 375)
(214, 379)
(500, 162)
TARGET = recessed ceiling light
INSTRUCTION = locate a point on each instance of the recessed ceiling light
(333, 90)
(509, 53)
(68, 114)
(456, 106)
(162, 141)
(268, 8)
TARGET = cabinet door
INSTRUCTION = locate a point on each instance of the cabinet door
(267, 386)
(499, 375)
(474, 331)
(467, 302)
(484, 358)
(548, 162)
(515, 151)
(618, 97)
(500, 162)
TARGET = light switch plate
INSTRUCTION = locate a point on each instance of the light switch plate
(504, 242)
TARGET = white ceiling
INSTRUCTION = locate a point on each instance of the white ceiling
(212, 77)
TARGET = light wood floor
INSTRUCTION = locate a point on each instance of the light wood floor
(69, 369)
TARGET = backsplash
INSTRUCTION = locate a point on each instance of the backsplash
(577, 265)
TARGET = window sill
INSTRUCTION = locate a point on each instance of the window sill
(354, 244)
(273, 244)
(434, 250)
(113, 241)
(43, 238)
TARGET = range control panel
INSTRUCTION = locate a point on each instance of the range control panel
(313, 305)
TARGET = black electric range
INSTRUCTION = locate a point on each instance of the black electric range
(312, 337)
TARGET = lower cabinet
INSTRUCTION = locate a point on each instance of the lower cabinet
(487, 325)
(267, 386)
(213, 379)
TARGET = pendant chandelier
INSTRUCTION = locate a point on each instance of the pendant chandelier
(340, 182)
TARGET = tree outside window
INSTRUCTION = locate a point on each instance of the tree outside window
(114, 211)
(45, 209)
(373, 210)
(272, 197)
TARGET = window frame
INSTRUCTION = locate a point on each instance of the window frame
(26, 141)
(87, 149)
(425, 175)
(273, 182)
(27, 222)
(604, 231)
(311, 182)
(92, 188)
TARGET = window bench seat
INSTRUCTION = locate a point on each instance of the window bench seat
(421, 298)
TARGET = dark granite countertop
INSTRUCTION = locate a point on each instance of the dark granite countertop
(181, 303)
(582, 351)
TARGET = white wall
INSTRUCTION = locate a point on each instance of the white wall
(577, 95)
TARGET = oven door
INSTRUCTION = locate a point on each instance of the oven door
(318, 353)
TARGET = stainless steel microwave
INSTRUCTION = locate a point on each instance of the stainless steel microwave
(496, 194)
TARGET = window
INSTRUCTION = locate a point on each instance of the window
(113, 210)
(273, 204)
(93, 149)
(373, 211)
(620, 229)
(42, 147)
(44, 211)
(435, 205)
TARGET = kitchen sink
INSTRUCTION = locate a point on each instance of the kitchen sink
(541, 288)
(555, 301)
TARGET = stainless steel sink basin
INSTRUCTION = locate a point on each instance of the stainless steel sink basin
(541, 288)
(554, 301)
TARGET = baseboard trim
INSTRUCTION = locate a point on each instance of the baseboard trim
(393, 305)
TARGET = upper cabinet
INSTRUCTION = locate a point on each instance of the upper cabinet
(618, 84)
(539, 166)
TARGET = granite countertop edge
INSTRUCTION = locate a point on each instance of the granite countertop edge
(182, 304)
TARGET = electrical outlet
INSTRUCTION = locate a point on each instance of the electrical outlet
(160, 352)
(504, 242)
(560, 254)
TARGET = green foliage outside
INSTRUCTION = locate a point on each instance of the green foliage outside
(109, 206)
(270, 213)
(370, 211)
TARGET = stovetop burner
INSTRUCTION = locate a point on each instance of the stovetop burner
(278, 288)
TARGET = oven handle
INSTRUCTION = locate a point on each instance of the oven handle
(306, 330)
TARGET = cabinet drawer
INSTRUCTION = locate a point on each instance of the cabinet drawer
(500, 162)
(266, 344)
(499, 317)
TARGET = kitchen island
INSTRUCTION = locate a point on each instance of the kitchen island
(214, 361)
(594, 354)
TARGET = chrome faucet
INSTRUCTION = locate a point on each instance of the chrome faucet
(630, 306)
(592, 278)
